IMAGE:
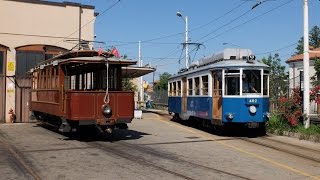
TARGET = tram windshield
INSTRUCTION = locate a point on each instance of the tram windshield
(251, 81)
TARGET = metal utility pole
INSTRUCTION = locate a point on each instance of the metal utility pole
(306, 83)
(141, 79)
(186, 44)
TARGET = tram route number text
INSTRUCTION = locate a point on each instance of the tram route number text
(253, 100)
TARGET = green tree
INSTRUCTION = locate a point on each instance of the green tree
(314, 40)
(315, 80)
(278, 83)
(163, 82)
(127, 85)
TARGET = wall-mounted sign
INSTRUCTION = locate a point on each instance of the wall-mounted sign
(11, 66)
(10, 88)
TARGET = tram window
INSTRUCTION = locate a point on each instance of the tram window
(174, 89)
(232, 71)
(179, 88)
(265, 84)
(251, 81)
(204, 85)
(190, 87)
(197, 85)
(169, 89)
(232, 85)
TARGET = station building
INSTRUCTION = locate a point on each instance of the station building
(32, 31)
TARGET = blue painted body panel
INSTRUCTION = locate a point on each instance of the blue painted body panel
(239, 107)
(202, 107)
(174, 104)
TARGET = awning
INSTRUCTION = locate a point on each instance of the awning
(134, 72)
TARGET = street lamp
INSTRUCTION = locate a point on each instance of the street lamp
(187, 38)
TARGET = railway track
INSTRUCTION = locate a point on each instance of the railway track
(296, 150)
(150, 157)
(19, 162)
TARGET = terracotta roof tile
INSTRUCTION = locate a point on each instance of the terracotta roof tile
(299, 57)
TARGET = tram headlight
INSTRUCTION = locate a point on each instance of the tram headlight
(268, 115)
(252, 109)
(106, 110)
(230, 116)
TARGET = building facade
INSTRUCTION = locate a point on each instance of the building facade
(296, 72)
(32, 31)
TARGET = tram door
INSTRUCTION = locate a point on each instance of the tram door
(184, 94)
(217, 96)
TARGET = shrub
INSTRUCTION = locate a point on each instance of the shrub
(278, 123)
(291, 107)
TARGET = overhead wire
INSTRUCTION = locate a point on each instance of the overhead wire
(279, 49)
(216, 19)
(277, 7)
(191, 30)
(99, 15)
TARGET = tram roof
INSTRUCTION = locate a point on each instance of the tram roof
(134, 72)
(85, 56)
(223, 64)
(92, 56)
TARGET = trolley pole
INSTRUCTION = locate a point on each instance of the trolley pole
(306, 83)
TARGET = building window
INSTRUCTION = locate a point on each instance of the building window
(26, 61)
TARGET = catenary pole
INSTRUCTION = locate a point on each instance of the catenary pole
(141, 79)
(306, 82)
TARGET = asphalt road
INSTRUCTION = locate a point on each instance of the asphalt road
(153, 148)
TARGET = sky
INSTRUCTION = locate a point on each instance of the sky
(274, 26)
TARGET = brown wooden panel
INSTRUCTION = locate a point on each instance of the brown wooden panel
(125, 105)
(47, 96)
(81, 106)
(49, 108)
(87, 105)
(184, 94)
(216, 99)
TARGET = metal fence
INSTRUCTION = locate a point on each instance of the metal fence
(159, 98)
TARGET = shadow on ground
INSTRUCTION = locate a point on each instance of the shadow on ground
(90, 134)
(223, 131)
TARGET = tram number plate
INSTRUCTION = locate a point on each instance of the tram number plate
(253, 125)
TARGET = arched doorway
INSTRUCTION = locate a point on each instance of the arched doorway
(3, 60)
(26, 58)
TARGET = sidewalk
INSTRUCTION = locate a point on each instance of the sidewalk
(157, 111)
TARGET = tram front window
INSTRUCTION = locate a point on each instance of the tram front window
(251, 81)
(232, 85)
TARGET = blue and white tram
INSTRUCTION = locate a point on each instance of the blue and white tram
(228, 88)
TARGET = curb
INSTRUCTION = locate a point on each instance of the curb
(313, 138)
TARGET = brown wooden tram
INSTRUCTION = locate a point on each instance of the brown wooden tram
(82, 88)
